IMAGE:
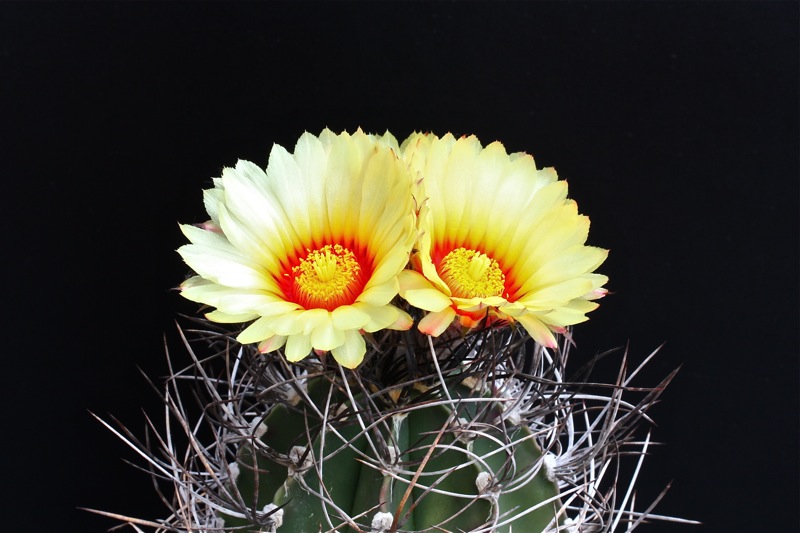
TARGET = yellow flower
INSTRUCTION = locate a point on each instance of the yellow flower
(499, 240)
(310, 249)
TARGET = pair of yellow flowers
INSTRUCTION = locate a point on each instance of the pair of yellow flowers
(314, 249)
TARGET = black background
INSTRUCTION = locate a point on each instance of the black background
(676, 125)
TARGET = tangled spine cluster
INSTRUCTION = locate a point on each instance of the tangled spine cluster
(589, 435)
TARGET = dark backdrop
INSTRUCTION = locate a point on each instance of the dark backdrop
(675, 123)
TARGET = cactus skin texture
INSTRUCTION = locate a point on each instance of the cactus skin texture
(367, 462)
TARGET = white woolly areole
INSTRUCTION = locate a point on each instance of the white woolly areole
(291, 394)
(482, 481)
(296, 457)
(571, 525)
(276, 518)
(233, 468)
(292, 397)
(257, 428)
(462, 432)
(393, 453)
(549, 461)
(382, 522)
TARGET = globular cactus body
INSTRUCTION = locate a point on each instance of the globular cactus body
(468, 469)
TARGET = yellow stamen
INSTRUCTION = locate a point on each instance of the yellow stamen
(327, 278)
(471, 274)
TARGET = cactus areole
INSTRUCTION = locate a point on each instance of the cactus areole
(442, 461)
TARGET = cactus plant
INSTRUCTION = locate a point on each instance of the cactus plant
(442, 459)
(327, 412)
(261, 470)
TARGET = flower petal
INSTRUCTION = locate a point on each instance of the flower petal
(256, 332)
(309, 320)
(435, 323)
(326, 336)
(271, 344)
(227, 318)
(248, 198)
(351, 352)
(420, 293)
(403, 322)
(380, 316)
(380, 294)
(298, 347)
(350, 317)
(225, 267)
(538, 330)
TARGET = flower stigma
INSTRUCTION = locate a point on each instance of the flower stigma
(327, 278)
(471, 274)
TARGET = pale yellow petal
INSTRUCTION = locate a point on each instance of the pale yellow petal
(285, 324)
(562, 267)
(380, 294)
(349, 317)
(326, 336)
(419, 292)
(392, 263)
(248, 197)
(410, 280)
(311, 319)
(195, 282)
(476, 304)
(212, 198)
(540, 332)
(436, 323)
(271, 344)
(512, 309)
(428, 299)
(204, 237)
(227, 318)
(243, 302)
(344, 172)
(276, 307)
(380, 316)
(296, 182)
(234, 301)
(256, 332)
(568, 315)
(598, 280)
(225, 268)
(402, 323)
(205, 291)
(351, 352)
(556, 295)
(241, 236)
(297, 347)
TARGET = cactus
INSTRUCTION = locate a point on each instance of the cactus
(488, 434)
(326, 411)
(468, 470)
(578, 444)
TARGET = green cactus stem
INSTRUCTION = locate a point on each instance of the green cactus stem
(443, 461)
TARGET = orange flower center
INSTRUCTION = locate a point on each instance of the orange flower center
(471, 274)
(327, 278)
